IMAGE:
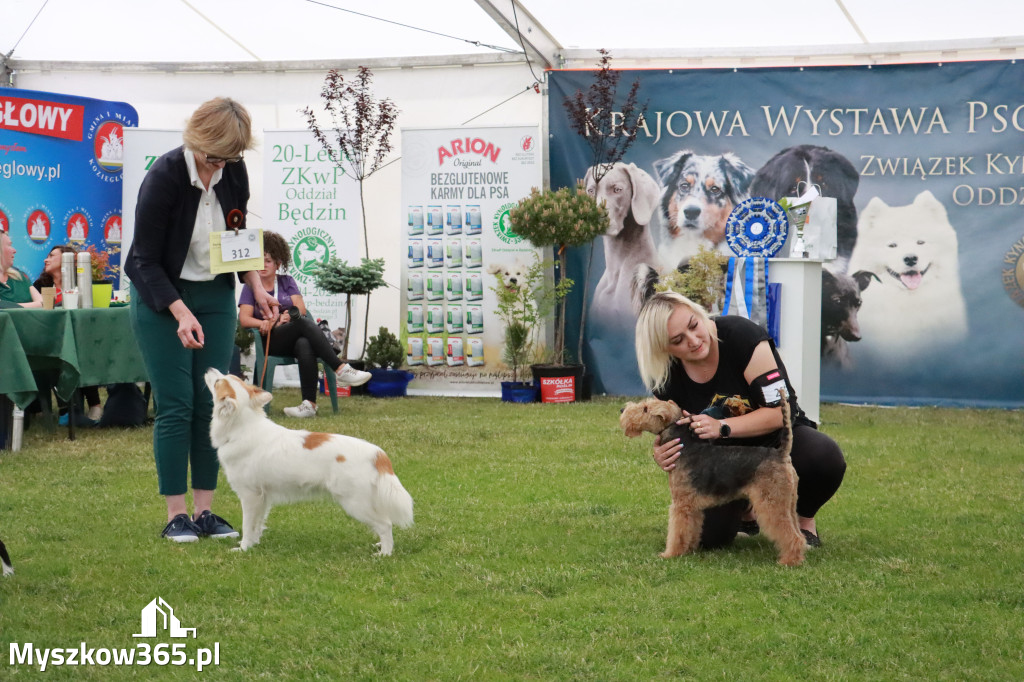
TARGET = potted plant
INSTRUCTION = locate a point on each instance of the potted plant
(702, 281)
(384, 355)
(521, 306)
(103, 275)
(609, 129)
(559, 219)
(338, 277)
(360, 138)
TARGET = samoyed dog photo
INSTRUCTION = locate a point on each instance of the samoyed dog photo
(268, 464)
(918, 302)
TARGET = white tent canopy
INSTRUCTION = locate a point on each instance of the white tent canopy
(36, 32)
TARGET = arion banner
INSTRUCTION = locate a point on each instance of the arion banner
(458, 185)
(60, 173)
(924, 303)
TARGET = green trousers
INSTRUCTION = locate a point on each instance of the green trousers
(181, 434)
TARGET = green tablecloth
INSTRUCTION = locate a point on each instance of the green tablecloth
(89, 347)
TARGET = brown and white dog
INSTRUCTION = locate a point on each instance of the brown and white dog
(267, 464)
(631, 195)
(698, 193)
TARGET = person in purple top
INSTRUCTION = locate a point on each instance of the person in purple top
(292, 334)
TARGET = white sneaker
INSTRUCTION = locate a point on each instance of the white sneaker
(349, 376)
(95, 412)
(302, 411)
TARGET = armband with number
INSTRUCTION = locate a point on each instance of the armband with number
(767, 388)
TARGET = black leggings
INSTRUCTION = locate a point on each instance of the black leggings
(820, 465)
(303, 340)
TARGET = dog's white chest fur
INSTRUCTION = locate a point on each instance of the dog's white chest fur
(268, 464)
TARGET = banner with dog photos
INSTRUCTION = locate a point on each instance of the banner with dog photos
(61, 161)
(458, 185)
(924, 302)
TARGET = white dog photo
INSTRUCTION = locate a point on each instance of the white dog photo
(918, 303)
(268, 464)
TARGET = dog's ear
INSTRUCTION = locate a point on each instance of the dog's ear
(672, 403)
(870, 213)
(664, 169)
(493, 269)
(259, 397)
(645, 194)
(863, 278)
(739, 175)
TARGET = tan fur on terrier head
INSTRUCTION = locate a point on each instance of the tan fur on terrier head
(651, 415)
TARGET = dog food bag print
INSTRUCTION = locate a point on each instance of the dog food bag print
(415, 258)
(414, 319)
(454, 319)
(474, 285)
(455, 356)
(435, 286)
(475, 352)
(473, 221)
(435, 253)
(474, 319)
(414, 351)
(435, 319)
(453, 253)
(435, 351)
(454, 220)
(474, 254)
(454, 286)
(414, 286)
(435, 220)
(415, 221)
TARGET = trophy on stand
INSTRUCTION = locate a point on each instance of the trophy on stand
(797, 209)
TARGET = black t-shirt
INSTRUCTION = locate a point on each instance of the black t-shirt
(727, 393)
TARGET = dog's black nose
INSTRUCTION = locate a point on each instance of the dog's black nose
(911, 261)
(691, 212)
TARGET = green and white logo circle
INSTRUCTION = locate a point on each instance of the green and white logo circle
(310, 247)
(502, 225)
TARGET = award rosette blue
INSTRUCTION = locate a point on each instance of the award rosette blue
(757, 227)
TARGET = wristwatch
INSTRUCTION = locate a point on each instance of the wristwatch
(725, 431)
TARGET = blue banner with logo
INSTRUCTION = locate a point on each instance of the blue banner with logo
(60, 173)
(924, 303)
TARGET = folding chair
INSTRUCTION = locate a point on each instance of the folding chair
(274, 361)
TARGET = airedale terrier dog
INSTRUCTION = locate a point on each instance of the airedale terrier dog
(708, 475)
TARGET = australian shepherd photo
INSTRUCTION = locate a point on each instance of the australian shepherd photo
(698, 192)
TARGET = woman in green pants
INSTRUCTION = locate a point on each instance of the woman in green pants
(184, 315)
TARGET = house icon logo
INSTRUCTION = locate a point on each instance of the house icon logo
(158, 614)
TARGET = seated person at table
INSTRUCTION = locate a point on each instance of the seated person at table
(295, 335)
(14, 284)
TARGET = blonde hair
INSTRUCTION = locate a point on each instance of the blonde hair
(8, 267)
(652, 354)
(220, 127)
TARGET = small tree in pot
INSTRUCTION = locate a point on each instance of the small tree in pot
(338, 277)
(521, 306)
(559, 218)
(384, 355)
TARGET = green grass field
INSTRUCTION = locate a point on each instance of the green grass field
(533, 557)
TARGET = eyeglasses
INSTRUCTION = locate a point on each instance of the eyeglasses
(219, 159)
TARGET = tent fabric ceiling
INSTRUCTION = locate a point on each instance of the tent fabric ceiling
(209, 31)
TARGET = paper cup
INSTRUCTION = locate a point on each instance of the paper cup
(49, 294)
(71, 300)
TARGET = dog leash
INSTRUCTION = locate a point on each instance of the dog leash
(266, 355)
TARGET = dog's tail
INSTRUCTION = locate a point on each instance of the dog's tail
(5, 560)
(786, 445)
(393, 500)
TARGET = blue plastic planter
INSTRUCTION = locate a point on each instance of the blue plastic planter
(389, 383)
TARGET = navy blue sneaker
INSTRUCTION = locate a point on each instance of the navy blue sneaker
(181, 529)
(213, 526)
(812, 539)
